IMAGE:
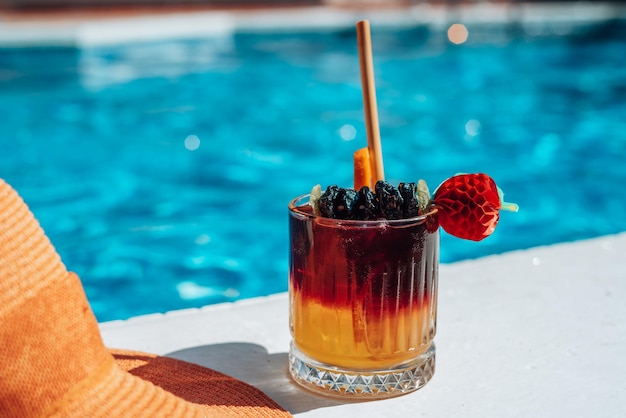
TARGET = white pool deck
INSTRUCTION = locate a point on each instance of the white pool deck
(533, 333)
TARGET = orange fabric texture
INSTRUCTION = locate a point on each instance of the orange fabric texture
(192, 382)
(53, 362)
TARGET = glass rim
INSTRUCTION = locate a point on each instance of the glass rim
(373, 222)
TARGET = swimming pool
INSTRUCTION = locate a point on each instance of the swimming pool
(162, 171)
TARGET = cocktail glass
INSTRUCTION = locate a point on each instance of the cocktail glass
(363, 303)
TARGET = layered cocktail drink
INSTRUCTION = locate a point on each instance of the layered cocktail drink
(363, 268)
(363, 302)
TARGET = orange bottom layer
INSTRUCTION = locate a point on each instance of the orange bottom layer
(352, 338)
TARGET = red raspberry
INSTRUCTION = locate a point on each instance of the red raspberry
(469, 206)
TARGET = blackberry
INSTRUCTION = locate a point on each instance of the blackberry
(385, 201)
(326, 202)
(389, 200)
(344, 203)
(366, 208)
(410, 206)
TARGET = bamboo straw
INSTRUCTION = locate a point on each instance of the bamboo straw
(364, 40)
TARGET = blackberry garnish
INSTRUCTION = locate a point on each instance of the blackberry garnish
(345, 203)
(410, 206)
(389, 200)
(325, 203)
(366, 208)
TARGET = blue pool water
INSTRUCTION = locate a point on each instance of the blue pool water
(161, 172)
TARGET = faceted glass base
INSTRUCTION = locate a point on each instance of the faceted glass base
(363, 384)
